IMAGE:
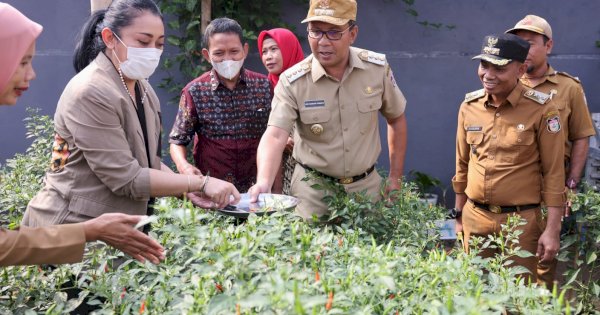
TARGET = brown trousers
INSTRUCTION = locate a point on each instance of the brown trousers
(479, 222)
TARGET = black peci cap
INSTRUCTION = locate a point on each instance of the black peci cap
(502, 49)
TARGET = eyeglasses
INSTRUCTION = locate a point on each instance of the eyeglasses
(331, 35)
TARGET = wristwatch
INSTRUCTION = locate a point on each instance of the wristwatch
(454, 213)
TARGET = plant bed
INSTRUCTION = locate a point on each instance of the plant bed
(276, 264)
(369, 258)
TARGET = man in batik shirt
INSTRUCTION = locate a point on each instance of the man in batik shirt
(226, 108)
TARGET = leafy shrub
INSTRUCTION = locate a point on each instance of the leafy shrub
(580, 248)
(384, 220)
(280, 264)
(21, 177)
(425, 182)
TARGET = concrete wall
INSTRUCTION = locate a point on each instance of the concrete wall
(433, 67)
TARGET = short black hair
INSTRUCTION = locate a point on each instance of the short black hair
(118, 15)
(351, 24)
(546, 39)
(222, 25)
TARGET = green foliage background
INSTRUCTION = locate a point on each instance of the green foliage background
(382, 258)
(21, 176)
(184, 18)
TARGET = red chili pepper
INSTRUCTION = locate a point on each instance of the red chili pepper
(219, 287)
(106, 268)
(237, 309)
(143, 307)
(329, 303)
(317, 276)
(123, 293)
(340, 242)
(391, 296)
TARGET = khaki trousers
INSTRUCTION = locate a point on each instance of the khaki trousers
(311, 199)
(479, 222)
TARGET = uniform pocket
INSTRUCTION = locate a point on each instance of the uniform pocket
(314, 115)
(316, 124)
(520, 137)
(368, 109)
(520, 144)
(262, 111)
(474, 137)
(89, 207)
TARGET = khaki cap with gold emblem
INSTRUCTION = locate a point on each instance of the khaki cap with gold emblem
(533, 23)
(337, 12)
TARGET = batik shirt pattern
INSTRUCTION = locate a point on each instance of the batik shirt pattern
(228, 125)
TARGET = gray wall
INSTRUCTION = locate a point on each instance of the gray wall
(432, 67)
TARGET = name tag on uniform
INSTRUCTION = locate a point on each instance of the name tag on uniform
(474, 128)
(314, 103)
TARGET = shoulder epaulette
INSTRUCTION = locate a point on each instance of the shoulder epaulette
(372, 57)
(537, 96)
(474, 95)
(576, 79)
(298, 70)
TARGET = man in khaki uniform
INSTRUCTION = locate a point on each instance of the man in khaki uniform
(567, 94)
(509, 154)
(333, 97)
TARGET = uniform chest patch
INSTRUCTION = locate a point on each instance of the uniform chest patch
(553, 124)
(314, 103)
(537, 96)
(474, 128)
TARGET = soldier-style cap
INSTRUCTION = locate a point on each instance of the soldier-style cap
(502, 49)
(533, 23)
(337, 12)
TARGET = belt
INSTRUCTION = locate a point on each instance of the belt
(345, 180)
(503, 209)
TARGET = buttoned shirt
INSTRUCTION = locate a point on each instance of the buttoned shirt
(567, 94)
(506, 154)
(228, 123)
(337, 121)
